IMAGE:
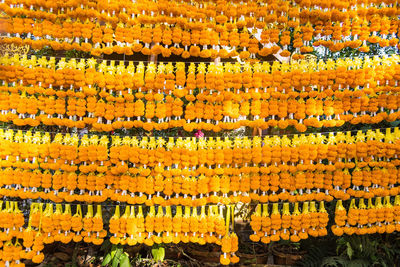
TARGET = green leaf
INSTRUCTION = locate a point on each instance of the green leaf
(117, 257)
(154, 253)
(158, 253)
(335, 261)
(124, 262)
(161, 251)
(349, 251)
(359, 263)
(113, 251)
(106, 259)
(115, 262)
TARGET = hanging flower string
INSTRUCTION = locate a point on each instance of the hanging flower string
(198, 171)
(48, 223)
(110, 96)
(219, 28)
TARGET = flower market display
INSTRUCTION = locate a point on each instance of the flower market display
(156, 145)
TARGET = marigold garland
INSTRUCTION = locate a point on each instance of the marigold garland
(379, 216)
(129, 27)
(49, 223)
(271, 226)
(351, 91)
(195, 172)
(184, 190)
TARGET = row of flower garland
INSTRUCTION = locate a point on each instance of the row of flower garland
(69, 149)
(381, 215)
(21, 110)
(207, 39)
(234, 14)
(115, 83)
(271, 224)
(256, 81)
(202, 189)
(205, 44)
(21, 240)
(206, 110)
(187, 225)
(122, 93)
(48, 223)
(370, 218)
(191, 172)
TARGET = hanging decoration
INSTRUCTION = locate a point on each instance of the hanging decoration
(369, 217)
(110, 96)
(195, 172)
(173, 190)
(203, 28)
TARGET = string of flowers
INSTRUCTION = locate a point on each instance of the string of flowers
(369, 217)
(233, 14)
(194, 172)
(109, 97)
(187, 225)
(274, 224)
(46, 224)
(49, 223)
(167, 77)
(132, 27)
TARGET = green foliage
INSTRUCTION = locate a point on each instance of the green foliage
(353, 251)
(369, 250)
(46, 51)
(158, 253)
(375, 50)
(317, 251)
(77, 54)
(357, 247)
(116, 257)
(338, 261)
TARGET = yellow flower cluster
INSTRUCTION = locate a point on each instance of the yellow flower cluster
(185, 189)
(206, 29)
(50, 223)
(187, 225)
(271, 226)
(214, 224)
(109, 96)
(381, 216)
(46, 224)
(194, 172)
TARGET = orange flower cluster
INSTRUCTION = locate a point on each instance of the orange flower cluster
(307, 78)
(45, 225)
(214, 15)
(368, 218)
(150, 225)
(187, 225)
(194, 172)
(112, 97)
(11, 223)
(205, 29)
(275, 225)
(160, 226)
(48, 224)
(152, 115)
